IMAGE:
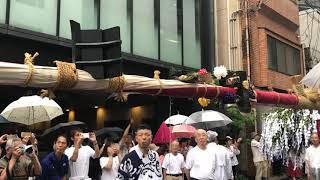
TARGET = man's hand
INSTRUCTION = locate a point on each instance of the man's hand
(110, 152)
(131, 121)
(3, 139)
(92, 137)
(26, 139)
(16, 153)
(78, 141)
(33, 139)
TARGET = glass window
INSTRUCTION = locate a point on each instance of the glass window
(35, 15)
(170, 39)
(272, 56)
(191, 35)
(82, 11)
(296, 62)
(114, 13)
(3, 5)
(145, 34)
(283, 57)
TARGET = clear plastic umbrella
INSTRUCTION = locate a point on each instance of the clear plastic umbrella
(312, 79)
(208, 119)
(176, 119)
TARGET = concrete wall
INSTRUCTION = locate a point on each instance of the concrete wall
(228, 34)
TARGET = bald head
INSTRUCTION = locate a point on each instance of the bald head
(200, 132)
(201, 137)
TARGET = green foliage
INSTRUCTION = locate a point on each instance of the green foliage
(239, 119)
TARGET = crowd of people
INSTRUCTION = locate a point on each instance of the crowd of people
(136, 158)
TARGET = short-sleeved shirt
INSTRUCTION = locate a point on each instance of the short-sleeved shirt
(80, 168)
(112, 174)
(201, 163)
(54, 169)
(136, 166)
(257, 154)
(173, 163)
(313, 155)
(233, 155)
(23, 167)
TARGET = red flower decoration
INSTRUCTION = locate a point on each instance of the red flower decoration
(202, 72)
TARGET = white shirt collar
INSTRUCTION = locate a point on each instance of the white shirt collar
(139, 152)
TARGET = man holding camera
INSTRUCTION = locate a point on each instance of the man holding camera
(79, 156)
(19, 162)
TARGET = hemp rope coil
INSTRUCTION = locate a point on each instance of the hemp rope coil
(116, 84)
(28, 60)
(67, 75)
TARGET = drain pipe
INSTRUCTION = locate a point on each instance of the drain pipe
(247, 40)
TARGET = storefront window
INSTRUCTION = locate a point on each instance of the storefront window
(35, 15)
(3, 5)
(115, 13)
(82, 11)
(191, 34)
(170, 39)
(145, 34)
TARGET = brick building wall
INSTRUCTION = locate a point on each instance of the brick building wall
(280, 20)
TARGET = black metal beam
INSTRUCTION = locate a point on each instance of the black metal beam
(58, 18)
(157, 24)
(180, 27)
(98, 13)
(206, 34)
(130, 17)
(8, 12)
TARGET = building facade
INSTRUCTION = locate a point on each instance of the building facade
(261, 38)
(275, 52)
(309, 34)
(166, 35)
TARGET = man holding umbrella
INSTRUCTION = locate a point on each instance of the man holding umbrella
(79, 155)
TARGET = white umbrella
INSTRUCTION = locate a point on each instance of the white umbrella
(208, 119)
(176, 119)
(32, 109)
(312, 79)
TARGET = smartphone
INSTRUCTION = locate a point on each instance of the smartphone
(24, 134)
(85, 135)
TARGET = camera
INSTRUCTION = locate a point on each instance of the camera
(28, 149)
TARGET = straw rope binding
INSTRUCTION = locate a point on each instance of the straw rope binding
(67, 75)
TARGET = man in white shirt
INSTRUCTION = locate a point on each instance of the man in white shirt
(223, 169)
(141, 163)
(313, 158)
(79, 156)
(200, 162)
(259, 160)
(173, 163)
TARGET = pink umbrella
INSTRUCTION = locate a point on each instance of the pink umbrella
(163, 135)
(183, 131)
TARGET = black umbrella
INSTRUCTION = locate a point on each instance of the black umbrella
(62, 128)
(113, 132)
